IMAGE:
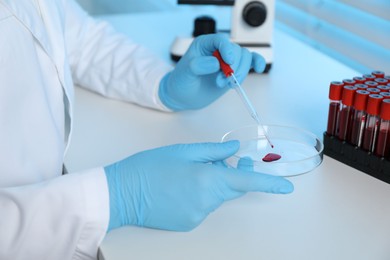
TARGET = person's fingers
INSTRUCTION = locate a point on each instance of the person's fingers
(258, 62)
(221, 80)
(227, 51)
(244, 65)
(204, 65)
(209, 152)
(207, 44)
(245, 163)
(220, 163)
(239, 58)
(245, 181)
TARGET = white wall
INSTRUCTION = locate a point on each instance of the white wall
(355, 32)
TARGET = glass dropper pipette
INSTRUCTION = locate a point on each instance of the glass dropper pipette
(229, 73)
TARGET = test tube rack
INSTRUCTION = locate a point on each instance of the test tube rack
(337, 145)
(375, 166)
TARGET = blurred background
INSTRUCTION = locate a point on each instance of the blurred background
(98, 7)
(355, 32)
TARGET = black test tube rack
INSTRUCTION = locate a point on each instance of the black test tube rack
(377, 167)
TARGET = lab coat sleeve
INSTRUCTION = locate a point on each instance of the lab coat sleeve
(33, 221)
(109, 63)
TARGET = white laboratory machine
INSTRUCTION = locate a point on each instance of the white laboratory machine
(251, 27)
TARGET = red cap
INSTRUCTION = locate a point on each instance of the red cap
(387, 77)
(369, 77)
(360, 100)
(381, 81)
(373, 90)
(359, 79)
(378, 74)
(385, 109)
(371, 84)
(361, 86)
(335, 90)
(349, 82)
(385, 88)
(385, 94)
(348, 94)
(374, 104)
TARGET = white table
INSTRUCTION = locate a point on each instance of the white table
(335, 212)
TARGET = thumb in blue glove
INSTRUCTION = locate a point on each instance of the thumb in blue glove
(176, 187)
(197, 80)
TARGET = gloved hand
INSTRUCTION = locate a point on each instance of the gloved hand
(197, 80)
(176, 187)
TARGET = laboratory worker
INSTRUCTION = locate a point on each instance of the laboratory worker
(46, 47)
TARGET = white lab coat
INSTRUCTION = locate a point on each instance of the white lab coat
(45, 47)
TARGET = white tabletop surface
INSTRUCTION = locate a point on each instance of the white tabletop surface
(335, 212)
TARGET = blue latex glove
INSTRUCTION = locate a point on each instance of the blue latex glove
(197, 80)
(176, 187)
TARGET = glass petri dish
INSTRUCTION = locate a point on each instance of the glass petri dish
(300, 150)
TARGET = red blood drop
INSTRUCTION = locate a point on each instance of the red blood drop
(271, 157)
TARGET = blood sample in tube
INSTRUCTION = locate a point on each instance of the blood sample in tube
(335, 92)
(381, 81)
(372, 122)
(359, 80)
(369, 77)
(378, 74)
(359, 117)
(383, 144)
(346, 112)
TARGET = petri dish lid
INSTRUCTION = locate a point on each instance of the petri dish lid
(300, 150)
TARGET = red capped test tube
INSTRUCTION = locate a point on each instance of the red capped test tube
(346, 112)
(378, 74)
(359, 117)
(371, 84)
(372, 123)
(383, 144)
(350, 82)
(381, 81)
(335, 92)
(361, 86)
(369, 77)
(374, 90)
(385, 94)
(359, 80)
(385, 88)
